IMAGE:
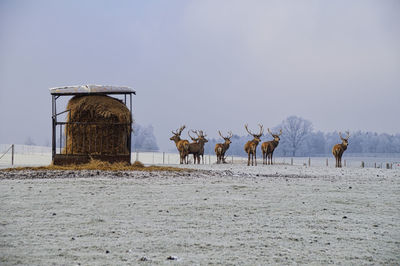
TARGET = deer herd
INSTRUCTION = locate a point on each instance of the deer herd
(196, 147)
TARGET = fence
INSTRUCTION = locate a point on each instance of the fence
(27, 155)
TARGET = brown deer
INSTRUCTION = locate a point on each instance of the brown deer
(268, 147)
(338, 149)
(221, 148)
(203, 138)
(251, 146)
(197, 146)
(181, 144)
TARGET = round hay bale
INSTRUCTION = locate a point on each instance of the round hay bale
(97, 124)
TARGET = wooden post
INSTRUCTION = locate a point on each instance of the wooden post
(291, 161)
(362, 164)
(309, 161)
(375, 165)
(327, 162)
(12, 154)
(387, 166)
(209, 159)
(163, 158)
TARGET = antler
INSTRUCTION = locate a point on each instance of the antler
(230, 134)
(219, 132)
(280, 132)
(181, 129)
(194, 139)
(261, 129)
(201, 134)
(245, 126)
(348, 134)
(346, 138)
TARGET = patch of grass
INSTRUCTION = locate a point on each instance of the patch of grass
(102, 166)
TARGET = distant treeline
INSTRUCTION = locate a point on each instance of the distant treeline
(298, 139)
(318, 144)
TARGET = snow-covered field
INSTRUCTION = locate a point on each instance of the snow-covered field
(221, 214)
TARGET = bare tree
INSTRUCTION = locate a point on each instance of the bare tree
(295, 131)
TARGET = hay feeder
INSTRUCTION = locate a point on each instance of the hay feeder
(95, 125)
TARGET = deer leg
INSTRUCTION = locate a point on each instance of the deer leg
(255, 159)
(271, 158)
(248, 159)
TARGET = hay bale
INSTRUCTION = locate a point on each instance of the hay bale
(97, 124)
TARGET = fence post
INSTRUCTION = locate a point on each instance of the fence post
(375, 164)
(163, 158)
(327, 162)
(309, 161)
(12, 154)
(362, 164)
(291, 161)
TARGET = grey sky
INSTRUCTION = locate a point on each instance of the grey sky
(207, 64)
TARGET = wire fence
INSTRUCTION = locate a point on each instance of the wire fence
(29, 155)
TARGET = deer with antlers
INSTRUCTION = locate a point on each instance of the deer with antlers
(251, 146)
(268, 147)
(221, 148)
(197, 146)
(339, 149)
(181, 144)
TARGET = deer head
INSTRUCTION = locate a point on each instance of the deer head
(275, 136)
(228, 138)
(200, 135)
(256, 136)
(177, 134)
(345, 140)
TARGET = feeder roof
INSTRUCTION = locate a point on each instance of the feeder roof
(91, 89)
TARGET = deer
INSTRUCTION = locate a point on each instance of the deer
(181, 144)
(221, 148)
(338, 149)
(268, 147)
(197, 146)
(251, 146)
(203, 138)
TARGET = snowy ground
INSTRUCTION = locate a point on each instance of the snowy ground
(222, 214)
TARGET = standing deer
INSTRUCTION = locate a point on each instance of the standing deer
(268, 147)
(251, 146)
(338, 149)
(181, 144)
(197, 146)
(221, 148)
(203, 138)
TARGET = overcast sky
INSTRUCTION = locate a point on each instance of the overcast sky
(212, 65)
